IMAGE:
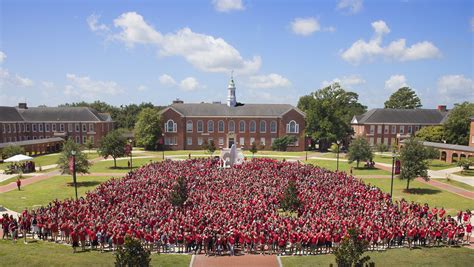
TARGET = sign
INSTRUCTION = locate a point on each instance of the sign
(160, 141)
(397, 166)
(128, 149)
(308, 141)
(71, 164)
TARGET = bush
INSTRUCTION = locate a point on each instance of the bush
(349, 252)
(335, 148)
(282, 143)
(290, 201)
(382, 148)
(132, 254)
(465, 163)
(11, 151)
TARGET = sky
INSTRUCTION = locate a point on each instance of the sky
(123, 52)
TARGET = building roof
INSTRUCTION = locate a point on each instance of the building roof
(32, 142)
(218, 109)
(52, 114)
(447, 146)
(412, 116)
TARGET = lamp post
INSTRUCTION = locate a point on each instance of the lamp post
(130, 141)
(307, 148)
(73, 153)
(338, 142)
(163, 144)
(394, 155)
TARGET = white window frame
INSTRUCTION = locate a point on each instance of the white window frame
(296, 128)
(262, 141)
(47, 127)
(171, 126)
(200, 141)
(231, 126)
(84, 139)
(78, 127)
(70, 128)
(242, 129)
(221, 141)
(252, 140)
(402, 129)
(40, 127)
(34, 127)
(53, 127)
(242, 141)
(394, 129)
(273, 127)
(189, 141)
(91, 127)
(84, 127)
(379, 129)
(372, 129)
(189, 126)
(264, 124)
(210, 126)
(220, 126)
(200, 129)
(254, 124)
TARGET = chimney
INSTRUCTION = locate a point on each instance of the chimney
(22, 106)
(178, 101)
(442, 108)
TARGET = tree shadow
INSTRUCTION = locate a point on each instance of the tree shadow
(422, 191)
(85, 183)
(122, 168)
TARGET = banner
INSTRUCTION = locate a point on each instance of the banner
(397, 166)
(71, 165)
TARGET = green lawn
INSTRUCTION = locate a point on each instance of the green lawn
(456, 183)
(437, 164)
(122, 165)
(345, 166)
(13, 179)
(465, 173)
(423, 193)
(387, 159)
(38, 253)
(396, 257)
(41, 193)
(49, 159)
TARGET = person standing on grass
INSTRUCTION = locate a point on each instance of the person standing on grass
(18, 183)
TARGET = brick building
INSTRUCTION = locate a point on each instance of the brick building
(189, 126)
(18, 124)
(471, 133)
(390, 126)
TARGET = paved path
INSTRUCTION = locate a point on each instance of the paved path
(447, 187)
(236, 261)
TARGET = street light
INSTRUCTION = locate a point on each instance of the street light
(163, 144)
(394, 155)
(307, 148)
(73, 153)
(130, 141)
(338, 142)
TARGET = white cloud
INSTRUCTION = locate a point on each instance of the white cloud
(93, 22)
(142, 88)
(397, 50)
(12, 81)
(472, 23)
(3, 56)
(205, 52)
(189, 84)
(396, 82)
(456, 88)
(227, 5)
(346, 81)
(271, 80)
(86, 88)
(350, 6)
(305, 26)
(166, 79)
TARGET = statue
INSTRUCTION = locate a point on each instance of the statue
(231, 156)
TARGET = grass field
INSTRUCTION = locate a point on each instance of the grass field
(423, 193)
(465, 173)
(13, 179)
(47, 254)
(41, 193)
(456, 183)
(437, 164)
(122, 165)
(345, 166)
(434, 257)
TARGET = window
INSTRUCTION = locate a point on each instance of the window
(385, 129)
(47, 127)
(40, 127)
(209, 140)
(189, 141)
(292, 127)
(34, 126)
(410, 129)
(53, 127)
(379, 129)
(273, 126)
(252, 140)
(14, 128)
(189, 126)
(402, 129)
(242, 126)
(200, 141)
(170, 126)
(385, 140)
(84, 139)
(262, 141)
(372, 129)
(252, 126)
(210, 126)
(231, 126)
(69, 127)
(221, 141)
(14, 138)
(77, 127)
(220, 126)
(91, 127)
(92, 139)
(28, 128)
(78, 140)
(10, 128)
(84, 127)
(242, 141)
(263, 126)
(273, 140)
(4, 128)
(417, 128)
(171, 141)
(394, 129)
(371, 141)
(200, 126)
(379, 140)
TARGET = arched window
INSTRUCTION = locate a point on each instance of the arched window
(200, 126)
(242, 126)
(220, 126)
(263, 126)
(170, 126)
(292, 127)
(231, 126)
(253, 126)
(273, 126)
(210, 126)
(189, 126)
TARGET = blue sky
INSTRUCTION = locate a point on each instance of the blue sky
(124, 52)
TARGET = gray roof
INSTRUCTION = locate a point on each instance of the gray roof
(9, 114)
(447, 146)
(32, 142)
(254, 110)
(413, 116)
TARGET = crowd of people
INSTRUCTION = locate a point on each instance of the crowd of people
(21, 167)
(237, 210)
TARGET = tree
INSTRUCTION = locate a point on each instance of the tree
(350, 250)
(456, 127)
(465, 163)
(132, 254)
(431, 134)
(253, 149)
(382, 148)
(414, 159)
(148, 128)
(290, 201)
(82, 164)
(12, 150)
(403, 98)
(359, 150)
(329, 112)
(89, 144)
(179, 193)
(281, 143)
(209, 146)
(113, 144)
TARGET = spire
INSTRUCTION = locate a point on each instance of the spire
(231, 99)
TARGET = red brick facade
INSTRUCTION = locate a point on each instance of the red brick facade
(471, 133)
(388, 134)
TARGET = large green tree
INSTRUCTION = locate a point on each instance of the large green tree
(290, 200)
(431, 134)
(329, 112)
(11, 151)
(132, 254)
(113, 145)
(82, 164)
(414, 160)
(359, 150)
(148, 128)
(457, 125)
(282, 143)
(350, 252)
(403, 98)
(179, 193)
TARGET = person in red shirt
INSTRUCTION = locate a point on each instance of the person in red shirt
(468, 232)
(75, 240)
(18, 183)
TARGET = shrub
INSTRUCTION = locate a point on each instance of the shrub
(132, 254)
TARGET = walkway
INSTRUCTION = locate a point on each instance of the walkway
(236, 261)
(447, 187)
